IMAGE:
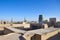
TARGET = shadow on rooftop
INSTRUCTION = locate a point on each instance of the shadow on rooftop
(56, 37)
(21, 37)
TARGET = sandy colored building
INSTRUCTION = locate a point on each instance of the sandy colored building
(42, 34)
(38, 34)
(24, 24)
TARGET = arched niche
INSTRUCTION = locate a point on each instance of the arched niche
(36, 37)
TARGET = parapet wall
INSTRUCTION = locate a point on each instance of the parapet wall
(15, 25)
(48, 35)
(7, 31)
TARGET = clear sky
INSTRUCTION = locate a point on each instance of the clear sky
(29, 9)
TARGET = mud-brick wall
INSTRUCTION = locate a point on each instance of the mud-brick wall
(7, 31)
(1, 30)
(46, 36)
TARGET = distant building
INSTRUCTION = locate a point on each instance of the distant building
(57, 25)
(45, 21)
(52, 21)
(3, 22)
(35, 26)
(40, 18)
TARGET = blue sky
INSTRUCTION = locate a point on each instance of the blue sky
(29, 9)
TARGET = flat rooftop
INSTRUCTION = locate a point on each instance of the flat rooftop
(37, 31)
(42, 31)
(16, 30)
(11, 36)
